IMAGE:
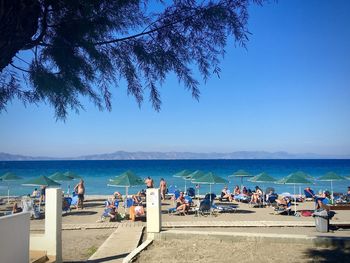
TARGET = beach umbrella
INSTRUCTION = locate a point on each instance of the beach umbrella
(330, 177)
(9, 177)
(210, 178)
(61, 177)
(294, 179)
(184, 175)
(73, 175)
(263, 178)
(41, 181)
(241, 174)
(305, 175)
(126, 179)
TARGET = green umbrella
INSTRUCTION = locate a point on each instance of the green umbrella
(41, 181)
(184, 175)
(241, 174)
(72, 175)
(9, 177)
(294, 178)
(126, 179)
(195, 175)
(60, 177)
(210, 179)
(331, 176)
(263, 178)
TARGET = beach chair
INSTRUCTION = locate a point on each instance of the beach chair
(109, 211)
(205, 207)
(191, 192)
(309, 195)
(242, 198)
(66, 203)
(224, 209)
(75, 200)
(284, 209)
(128, 202)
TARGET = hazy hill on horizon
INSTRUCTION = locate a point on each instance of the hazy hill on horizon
(141, 155)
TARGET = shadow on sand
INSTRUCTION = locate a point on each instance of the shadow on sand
(337, 251)
(79, 213)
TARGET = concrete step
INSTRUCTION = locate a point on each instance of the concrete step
(37, 256)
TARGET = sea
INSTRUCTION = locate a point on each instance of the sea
(97, 173)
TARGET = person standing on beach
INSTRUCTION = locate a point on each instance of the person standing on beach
(163, 187)
(80, 189)
(149, 182)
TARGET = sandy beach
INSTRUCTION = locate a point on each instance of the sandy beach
(79, 245)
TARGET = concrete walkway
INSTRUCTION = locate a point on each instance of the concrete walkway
(80, 226)
(245, 224)
(119, 244)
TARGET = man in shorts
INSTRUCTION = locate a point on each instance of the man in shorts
(80, 190)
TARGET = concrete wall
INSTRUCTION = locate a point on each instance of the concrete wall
(51, 241)
(14, 236)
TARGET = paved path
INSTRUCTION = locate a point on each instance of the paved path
(208, 223)
(245, 224)
(119, 244)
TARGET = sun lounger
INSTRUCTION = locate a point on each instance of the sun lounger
(242, 198)
(224, 209)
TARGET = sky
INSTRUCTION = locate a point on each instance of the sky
(288, 91)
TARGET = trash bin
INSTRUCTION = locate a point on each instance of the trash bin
(321, 220)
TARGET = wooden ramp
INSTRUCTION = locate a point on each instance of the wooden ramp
(119, 244)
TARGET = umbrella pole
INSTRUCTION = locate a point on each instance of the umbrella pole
(295, 202)
(185, 187)
(68, 189)
(126, 199)
(210, 199)
(8, 193)
(332, 196)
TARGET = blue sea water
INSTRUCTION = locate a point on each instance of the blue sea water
(97, 173)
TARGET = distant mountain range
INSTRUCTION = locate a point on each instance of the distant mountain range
(123, 155)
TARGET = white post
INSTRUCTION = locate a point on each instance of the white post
(153, 210)
(53, 222)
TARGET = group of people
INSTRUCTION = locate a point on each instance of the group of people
(254, 195)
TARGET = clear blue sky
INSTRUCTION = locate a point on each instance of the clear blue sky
(289, 91)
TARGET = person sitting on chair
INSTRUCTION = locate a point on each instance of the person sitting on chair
(324, 201)
(256, 197)
(181, 205)
(309, 192)
(236, 191)
(225, 193)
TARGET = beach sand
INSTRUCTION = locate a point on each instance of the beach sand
(194, 250)
(78, 245)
